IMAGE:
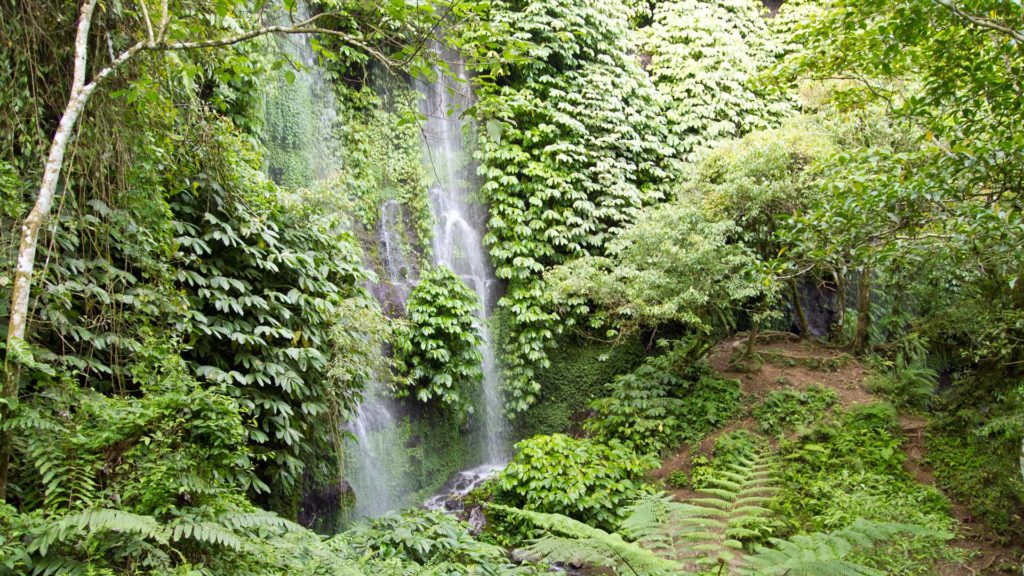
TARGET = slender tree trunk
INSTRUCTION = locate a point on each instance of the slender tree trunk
(860, 337)
(801, 315)
(755, 329)
(22, 288)
(841, 295)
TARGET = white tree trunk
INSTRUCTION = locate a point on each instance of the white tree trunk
(51, 176)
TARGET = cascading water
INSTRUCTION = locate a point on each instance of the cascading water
(401, 274)
(458, 241)
(300, 119)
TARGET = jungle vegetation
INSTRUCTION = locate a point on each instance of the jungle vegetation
(685, 203)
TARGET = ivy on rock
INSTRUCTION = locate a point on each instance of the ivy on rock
(440, 344)
(576, 145)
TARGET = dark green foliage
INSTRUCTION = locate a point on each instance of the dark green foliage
(851, 467)
(440, 345)
(263, 291)
(663, 402)
(979, 464)
(640, 408)
(425, 541)
(789, 409)
(708, 403)
(174, 462)
(583, 479)
(907, 385)
(578, 373)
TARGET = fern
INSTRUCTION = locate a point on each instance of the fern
(824, 554)
(711, 529)
(573, 541)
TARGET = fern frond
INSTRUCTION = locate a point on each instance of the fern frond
(625, 557)
(825, 553)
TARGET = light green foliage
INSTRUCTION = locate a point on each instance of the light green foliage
(704, 59)
(760, 179)
(713, 528)
(663, 402)
(730, 449)
(827, 553)
(381, 157)
(664, 536)
(789, 409)
(426, 542)
(583, 479)
(573, 541)
(575, 145)
(675, 265)
(440, 345)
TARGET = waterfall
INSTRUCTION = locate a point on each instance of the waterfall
(375, 472)
(302, 151)
(458, 226)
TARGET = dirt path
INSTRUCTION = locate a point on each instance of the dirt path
(800, 364)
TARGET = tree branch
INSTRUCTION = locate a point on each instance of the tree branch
(982, 21)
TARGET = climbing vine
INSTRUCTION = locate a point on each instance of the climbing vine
(575, 146)
(705, 58)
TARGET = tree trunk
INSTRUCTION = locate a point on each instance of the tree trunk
(801, 315)
(755, 329)
(860, 337)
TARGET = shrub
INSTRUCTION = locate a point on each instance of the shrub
(707, 404)
(424, 539)
(851, 468)
(788, 409)
(906, 384)
(639, 410)
(582, 479)
(659, 404)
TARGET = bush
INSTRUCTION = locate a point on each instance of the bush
(909, 385)
(440, 347)
(659, 404)
(582, 479)
(578, 374)
(638, 409)
(708, 403)
(850, 468)
(788, 409)
(423, 539)
(984, 474)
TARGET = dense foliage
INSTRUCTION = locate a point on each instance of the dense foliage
(440, 346)
(661, 403)
(704, 58)
(586, 480)
(234, 321)
(575, 146)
